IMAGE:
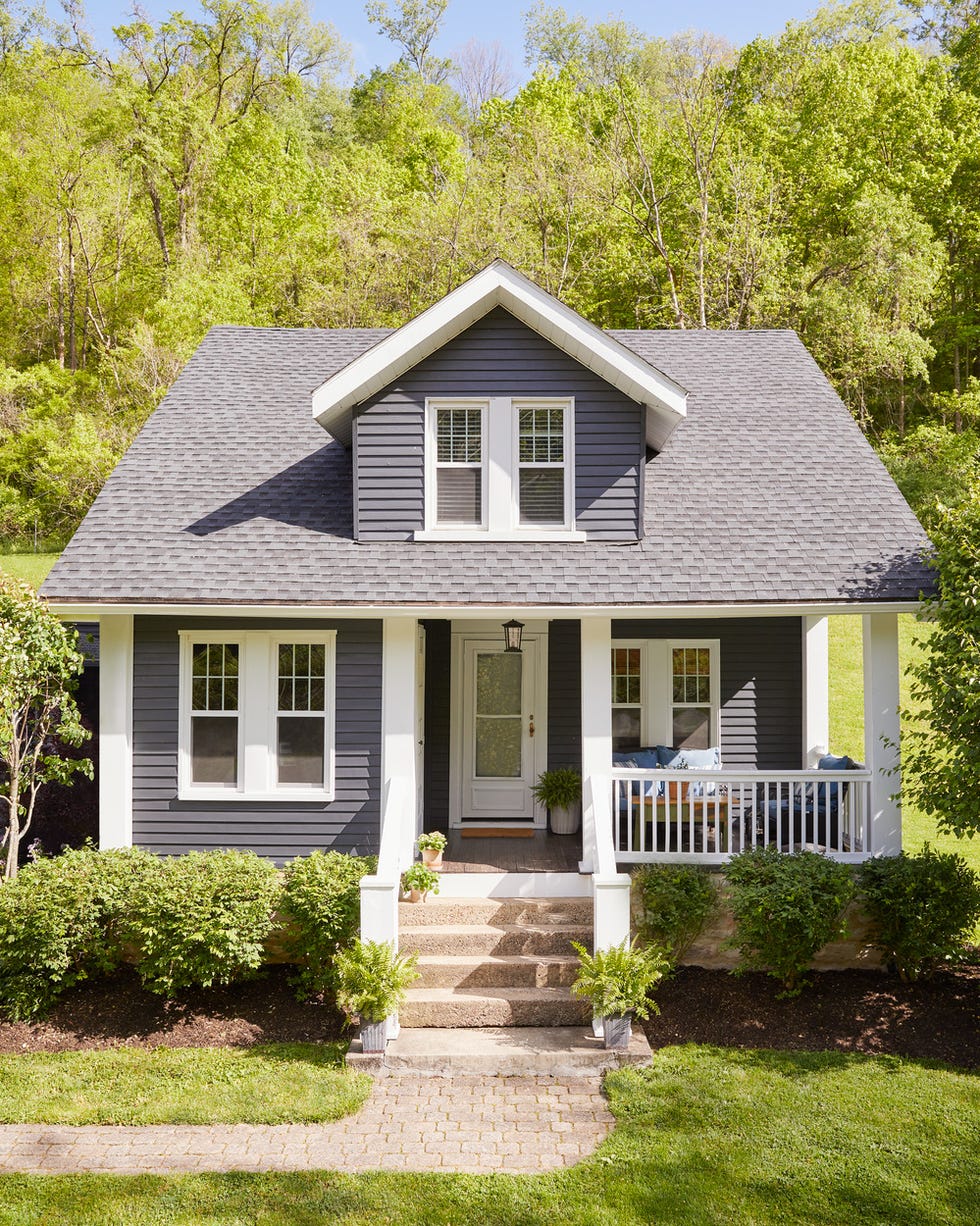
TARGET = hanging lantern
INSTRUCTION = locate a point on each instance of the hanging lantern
(512, 635)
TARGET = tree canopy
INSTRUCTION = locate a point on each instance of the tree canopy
(224, 168)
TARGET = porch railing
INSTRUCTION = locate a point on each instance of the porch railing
(706, 816)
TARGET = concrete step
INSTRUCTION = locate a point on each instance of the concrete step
(518, 971)
(553, 1051)
(576, 911)
(503, 939)
(493, 1006)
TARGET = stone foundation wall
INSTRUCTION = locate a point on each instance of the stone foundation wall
(855, 950)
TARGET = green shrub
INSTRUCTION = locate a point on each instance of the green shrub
(676, 901)
(321, 905)
(924, 906)
(200, 919)
(58, 924)
(786, 908)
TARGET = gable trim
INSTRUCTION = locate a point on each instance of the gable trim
(500, 285)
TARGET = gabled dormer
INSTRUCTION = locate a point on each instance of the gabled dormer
(499, 414)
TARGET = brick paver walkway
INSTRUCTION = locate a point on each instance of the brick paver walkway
(463, 1123)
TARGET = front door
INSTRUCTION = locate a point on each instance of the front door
(501, 746)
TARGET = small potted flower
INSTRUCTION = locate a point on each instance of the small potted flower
(418, 881)
(618, 981)
(372, 980)
(432, 844)
(560, 791)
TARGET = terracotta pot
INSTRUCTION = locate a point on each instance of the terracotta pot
(616, 1032)
(416, 896)
(432, 857)
(566, 821)
(374, 1036)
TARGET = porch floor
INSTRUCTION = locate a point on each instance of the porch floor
(542, 853)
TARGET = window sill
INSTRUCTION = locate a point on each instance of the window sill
(551, 535)
(312, 796)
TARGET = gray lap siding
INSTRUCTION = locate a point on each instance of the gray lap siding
(280, 830)
(498, 356)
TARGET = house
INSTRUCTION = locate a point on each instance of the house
(305, 566)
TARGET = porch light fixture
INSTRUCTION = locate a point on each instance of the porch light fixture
(512, 635)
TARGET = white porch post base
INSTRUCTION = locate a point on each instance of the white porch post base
(816, 689)
(116, 730)
(882, 730)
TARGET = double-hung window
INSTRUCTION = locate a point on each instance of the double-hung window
(665, 692)
(256, 715)
(500, 468)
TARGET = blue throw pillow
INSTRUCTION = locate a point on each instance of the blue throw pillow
(829, 763)
(624, 758)
(647, 759)
(667, 755)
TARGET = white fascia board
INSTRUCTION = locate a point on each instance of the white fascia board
(499, 285)
(82, 611)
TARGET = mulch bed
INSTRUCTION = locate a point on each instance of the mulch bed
(850, 1011)
(118, 1011)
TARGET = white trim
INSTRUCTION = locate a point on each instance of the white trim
(399, 758)
(81, 610)
(432, 465)
(656, 672)
(116, 731)
(500, 469)
(257, 716)
(816, 689)
(490, 635)
(882, 730)
(500, 285)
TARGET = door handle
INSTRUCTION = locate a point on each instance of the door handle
(530, 726)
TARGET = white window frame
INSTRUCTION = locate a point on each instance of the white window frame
(500, 484)
(257, 716)
(656, 671)
(640, 645)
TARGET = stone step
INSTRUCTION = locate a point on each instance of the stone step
(489, 1006)
(576, 911)
(503, 939)
(553, 1051)
(519, 971)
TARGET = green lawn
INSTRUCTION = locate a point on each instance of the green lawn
(272, 1084)
(31, 567)
(704, 1137)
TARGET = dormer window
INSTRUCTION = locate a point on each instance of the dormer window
(500, 468)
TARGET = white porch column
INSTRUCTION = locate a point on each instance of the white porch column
(816, 690)
(596, 697)
(398, 724)
(116, 730)
(881, 730)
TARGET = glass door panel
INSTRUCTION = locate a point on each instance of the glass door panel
(498, 725)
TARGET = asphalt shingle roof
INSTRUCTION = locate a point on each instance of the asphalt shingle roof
(767, 491)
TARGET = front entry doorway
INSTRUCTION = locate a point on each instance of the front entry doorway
(498, 742)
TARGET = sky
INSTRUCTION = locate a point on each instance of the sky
(499, 21)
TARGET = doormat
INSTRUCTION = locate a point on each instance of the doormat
(496, 832)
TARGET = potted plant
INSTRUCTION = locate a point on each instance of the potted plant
(619, 981)
(560, 791)
(372, 980)
(418, 880)
(432, 844)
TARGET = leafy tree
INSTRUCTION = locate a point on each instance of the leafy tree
(942, 751)
(414, 26)
(39, 669)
